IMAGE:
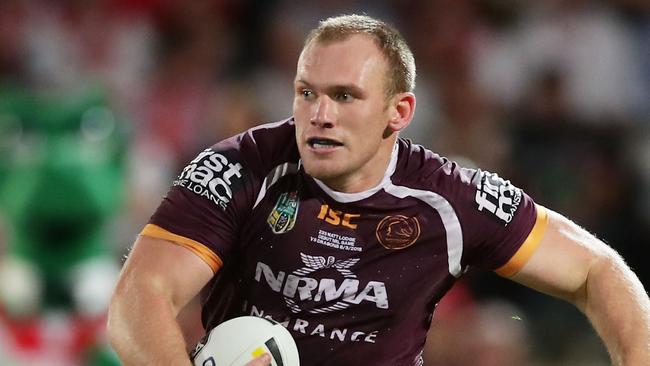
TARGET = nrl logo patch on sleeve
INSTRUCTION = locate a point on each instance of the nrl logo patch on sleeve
(497, 197)
(212, 175)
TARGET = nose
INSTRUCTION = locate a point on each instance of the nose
(323, 112)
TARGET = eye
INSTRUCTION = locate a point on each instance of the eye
(343, 96)
(306, 93)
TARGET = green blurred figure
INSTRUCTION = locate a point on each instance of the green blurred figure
(61, 185)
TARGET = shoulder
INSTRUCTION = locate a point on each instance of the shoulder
(271, 139)
(236, 166)
(261, 148)
(486, 215)
(466, 189)
(421, 168)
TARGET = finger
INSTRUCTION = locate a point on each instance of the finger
(263, 360)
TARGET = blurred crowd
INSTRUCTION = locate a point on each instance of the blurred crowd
(554, 95)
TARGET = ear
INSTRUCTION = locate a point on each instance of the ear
(402, 108)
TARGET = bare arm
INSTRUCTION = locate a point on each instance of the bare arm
(574, 265)
(158, 279)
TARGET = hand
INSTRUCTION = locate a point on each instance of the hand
(263, 360)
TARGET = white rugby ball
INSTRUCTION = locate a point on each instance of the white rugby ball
(238, 341)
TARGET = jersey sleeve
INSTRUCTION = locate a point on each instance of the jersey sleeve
(208, 202)
(502, 226)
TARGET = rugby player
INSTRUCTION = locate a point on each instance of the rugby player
(331, 224)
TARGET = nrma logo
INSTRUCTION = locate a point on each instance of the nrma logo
(210, 175)
(298, 287)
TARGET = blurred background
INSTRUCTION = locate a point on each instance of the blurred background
(103, 101)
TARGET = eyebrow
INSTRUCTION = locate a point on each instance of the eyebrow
(352, 88)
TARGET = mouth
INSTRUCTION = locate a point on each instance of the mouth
(320, 143)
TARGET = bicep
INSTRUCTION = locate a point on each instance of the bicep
(166, 268)
(560, 265)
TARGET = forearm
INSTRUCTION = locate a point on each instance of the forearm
(574, 265)
(617, 305)
(158, 280)
(143, 330)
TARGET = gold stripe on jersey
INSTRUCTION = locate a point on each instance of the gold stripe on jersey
(528, 247)
(197, 248)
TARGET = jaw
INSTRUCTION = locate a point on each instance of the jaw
(323, 163)
(331, 166)
(348, 171)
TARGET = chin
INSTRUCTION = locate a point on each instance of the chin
(322, 171)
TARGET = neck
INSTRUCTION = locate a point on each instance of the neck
(370, 176)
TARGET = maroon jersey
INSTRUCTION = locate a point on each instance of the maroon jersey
(353, 276)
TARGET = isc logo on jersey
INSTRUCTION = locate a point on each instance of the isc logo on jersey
(211, 175)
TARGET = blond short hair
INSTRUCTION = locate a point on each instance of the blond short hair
(401, 64)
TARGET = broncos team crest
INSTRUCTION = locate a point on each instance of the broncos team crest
(283, 216)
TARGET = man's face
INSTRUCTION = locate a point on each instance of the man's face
(341, 113)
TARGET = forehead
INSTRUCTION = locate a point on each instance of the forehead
(356, 59)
